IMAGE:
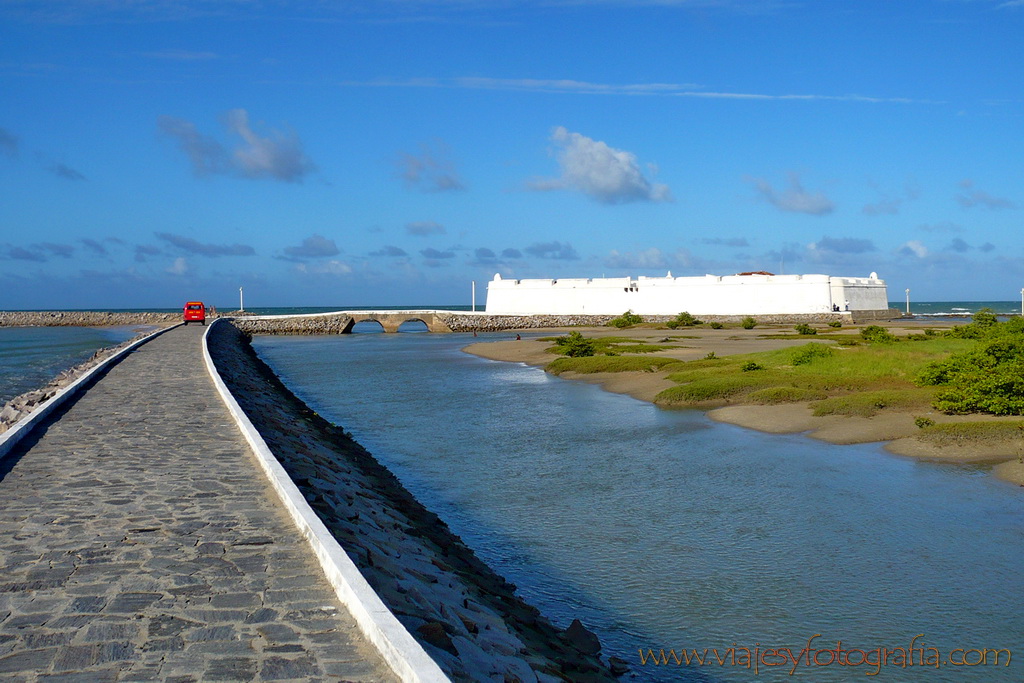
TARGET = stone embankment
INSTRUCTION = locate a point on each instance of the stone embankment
(85, 318)
(23, 405)
(321, 324)
(468, 618)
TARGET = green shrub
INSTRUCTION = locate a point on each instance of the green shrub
(876, 334)
(750, 366)
(808, 353)
(985, 318)
(715, 325)
(748, 323)
(923, 422)
(684, 319)
(575, 345)
(804, 328)
(987, 379)
(835, 323)
(627, 319)
(711, 356)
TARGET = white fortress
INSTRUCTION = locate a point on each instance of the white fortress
(744, 294)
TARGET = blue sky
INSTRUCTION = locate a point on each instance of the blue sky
(391, 151)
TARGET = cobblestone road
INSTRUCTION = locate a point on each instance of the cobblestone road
(139, 542)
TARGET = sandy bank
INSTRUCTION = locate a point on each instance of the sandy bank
(467, 617)
(897, 428)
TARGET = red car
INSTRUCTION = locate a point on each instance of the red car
(195, 311)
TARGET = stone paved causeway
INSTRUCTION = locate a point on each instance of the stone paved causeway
(140, 542)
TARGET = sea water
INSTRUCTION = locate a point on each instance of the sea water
(664, 530)
(32, 356)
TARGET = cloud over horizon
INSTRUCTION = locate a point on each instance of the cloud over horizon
(316, 246)
(603, 173)
(213, 250)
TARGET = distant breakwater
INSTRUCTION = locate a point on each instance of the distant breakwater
(84, 318)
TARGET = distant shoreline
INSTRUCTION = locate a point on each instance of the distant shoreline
(898, 428)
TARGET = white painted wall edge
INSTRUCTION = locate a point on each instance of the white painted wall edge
(22, 427)
(397, 646)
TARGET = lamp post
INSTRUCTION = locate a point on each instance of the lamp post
(241, 301)
(1022, 303)
(474, 295)
(908, 301)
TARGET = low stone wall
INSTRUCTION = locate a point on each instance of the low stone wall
(84, 318)
(339, 324)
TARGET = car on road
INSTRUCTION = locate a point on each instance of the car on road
(195, 311)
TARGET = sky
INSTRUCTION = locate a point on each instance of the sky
(392, 152)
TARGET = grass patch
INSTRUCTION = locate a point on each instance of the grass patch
(814, 372)
(953, 433)
(775, 395)
(592, 364)
(868, 403)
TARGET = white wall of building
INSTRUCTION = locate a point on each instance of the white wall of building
(707, 295)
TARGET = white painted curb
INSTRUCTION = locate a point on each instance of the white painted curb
(397, 646)
(22, 427)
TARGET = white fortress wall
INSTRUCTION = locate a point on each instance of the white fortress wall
(707, 295)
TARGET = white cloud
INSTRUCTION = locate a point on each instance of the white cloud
(795, 198)
(913, 248)
(277, 156)
(179, 267)
(606, 174)
(332, 267)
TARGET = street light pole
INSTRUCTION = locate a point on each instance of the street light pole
(474, 295)
(908, 301)
(241, 301)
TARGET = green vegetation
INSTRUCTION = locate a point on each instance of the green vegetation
(876, 334)
(989, 378)
(716, 325)
(860, 380)
(748, 323)
(952, 433)
(835, 323)
(684, 319)
(804, 328)
(868, 403)
(575, 345)
(974, 368)
(592, 364)
(627, 319)
(611, 346)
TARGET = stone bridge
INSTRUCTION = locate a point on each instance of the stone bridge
(392, 320)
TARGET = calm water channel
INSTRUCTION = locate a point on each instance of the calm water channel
(661, 529)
